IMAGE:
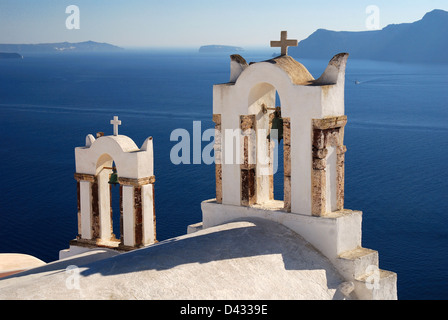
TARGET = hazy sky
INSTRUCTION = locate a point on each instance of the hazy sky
(191, 23)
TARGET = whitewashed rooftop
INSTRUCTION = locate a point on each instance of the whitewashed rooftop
(256, 259)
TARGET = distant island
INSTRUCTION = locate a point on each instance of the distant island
(423, 41)
(87, 46)
(10, 55)
(220, 48)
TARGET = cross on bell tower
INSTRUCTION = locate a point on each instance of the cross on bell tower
(284, 43)
(115, 123)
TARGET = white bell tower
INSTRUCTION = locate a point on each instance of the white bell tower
(134, 170)
(313, 120)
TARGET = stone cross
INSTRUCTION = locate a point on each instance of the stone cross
(284, 43)
(115, 123)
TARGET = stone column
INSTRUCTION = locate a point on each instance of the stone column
(340, 164)
(248, 165)
(218, 157)
(271, 148)
(139, 224)
(121, 215)
(78, 193)
(85, 191)
(287, 164)
(149, 234)
(327, 132)
(319, 182)
(96, 223)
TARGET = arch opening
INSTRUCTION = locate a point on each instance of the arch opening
(109, 204)
(269, 179)
(278, 168)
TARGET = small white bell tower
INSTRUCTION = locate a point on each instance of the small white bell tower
(134, 170)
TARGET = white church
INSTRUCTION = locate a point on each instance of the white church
(249, 245)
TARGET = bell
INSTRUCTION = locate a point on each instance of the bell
(277, 124)
(113, 177)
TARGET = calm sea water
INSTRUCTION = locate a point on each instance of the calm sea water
(396, 164)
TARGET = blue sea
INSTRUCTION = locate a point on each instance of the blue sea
(396, 163)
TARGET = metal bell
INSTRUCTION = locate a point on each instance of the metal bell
(277, 124)
(113, 177)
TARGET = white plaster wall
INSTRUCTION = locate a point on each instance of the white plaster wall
(145, 159)
(332, 101)
(332, 82)
(331, 235)
(349, 231)
(235, 70)
(72, 251)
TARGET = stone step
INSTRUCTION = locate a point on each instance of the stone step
(194, 227)
(377, 284)
(355, 263)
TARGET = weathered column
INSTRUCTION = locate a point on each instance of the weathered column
(149, 234)
(271, 148)
(139, 223)
(328, 134)
(78, 194)
(340, 165)
(96, 224)
(319, 182)
(287, 164)
(113, 236)
(248, 163)
(121, 216)
(218, 157)
(85, 220)
(138, 213)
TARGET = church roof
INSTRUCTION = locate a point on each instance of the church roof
(256, 259)
(124, 142)
(297, 72)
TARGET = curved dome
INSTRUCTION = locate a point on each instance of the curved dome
(256, 259)
(296, 71)
(125, 143)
